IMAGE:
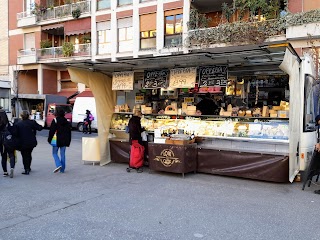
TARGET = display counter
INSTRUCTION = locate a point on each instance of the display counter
(173, 158)
(255, 148)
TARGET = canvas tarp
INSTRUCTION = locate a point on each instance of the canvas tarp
(100, 86)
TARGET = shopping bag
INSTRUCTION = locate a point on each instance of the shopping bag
(54, 140)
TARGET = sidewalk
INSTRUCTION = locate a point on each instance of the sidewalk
(93, 202)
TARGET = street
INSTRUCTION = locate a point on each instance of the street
(93, 202)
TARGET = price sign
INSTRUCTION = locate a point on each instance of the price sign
(155, 79)
(139, 99)
(188, 99)
(213, 76)
(122, 81)
(183, 77)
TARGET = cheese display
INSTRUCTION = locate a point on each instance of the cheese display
(208, 127)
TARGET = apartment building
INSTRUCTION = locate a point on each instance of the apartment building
(4, 42)
(99, 31)
(47, 36)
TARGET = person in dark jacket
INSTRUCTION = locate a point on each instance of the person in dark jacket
(26, 132)
(3, 150)
(62, 128)
(135, 128)
(207, 106)
(87, 122)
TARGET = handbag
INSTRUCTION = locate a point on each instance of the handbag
(54, 138)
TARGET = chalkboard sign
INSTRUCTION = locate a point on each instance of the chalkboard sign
(122, 81)
(213, 76)
(155, 79)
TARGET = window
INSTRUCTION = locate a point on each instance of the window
(125, 34)
(173, 30)
(124, 2)
(103, 4)
(104, 41)
(125, 39)
(148, 34)
(148, 39)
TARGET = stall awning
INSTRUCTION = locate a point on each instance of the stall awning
(79, 26)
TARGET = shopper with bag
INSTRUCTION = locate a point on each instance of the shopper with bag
(26, 132)
(5, 149)
(87, 122)
(135, 140)
(60, 138)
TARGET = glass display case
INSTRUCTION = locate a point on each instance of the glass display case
(210, 126)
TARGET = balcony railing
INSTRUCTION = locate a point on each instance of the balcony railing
(59, 12)
(237, 33)
(79, 50)
(27, 56)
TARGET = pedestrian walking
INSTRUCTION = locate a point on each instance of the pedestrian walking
(26, 131)
(5, 151)
(60, 138)
(87, 122)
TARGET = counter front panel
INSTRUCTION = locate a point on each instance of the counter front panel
(173, 158)
(265, 167)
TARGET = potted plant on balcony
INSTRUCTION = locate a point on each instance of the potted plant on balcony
(67, 49)
(45, 44)
(76, 13)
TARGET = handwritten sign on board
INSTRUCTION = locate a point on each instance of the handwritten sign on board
(122, 81)
(212, 76)
(155, 79)
(183, 77)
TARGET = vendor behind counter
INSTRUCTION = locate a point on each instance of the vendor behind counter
(207, 106)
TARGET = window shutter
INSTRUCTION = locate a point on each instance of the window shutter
(125, 22)
(173, 12)
(148, 22)
(29, 39)
(103, 26)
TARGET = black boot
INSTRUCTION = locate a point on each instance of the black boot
(26, 172)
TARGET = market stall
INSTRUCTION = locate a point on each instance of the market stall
(261, 101)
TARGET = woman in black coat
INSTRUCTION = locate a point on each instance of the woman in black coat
(135, 128)
(26, 132)
(3, 150)
(62, 128)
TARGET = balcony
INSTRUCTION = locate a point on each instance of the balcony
(41, 15)
(303, 25)
(26, 19)
(27, 56)
(236, 33)
(57, 54)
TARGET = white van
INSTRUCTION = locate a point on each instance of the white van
(80, 106)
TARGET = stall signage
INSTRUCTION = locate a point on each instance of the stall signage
(155, 79)
(213, 76)
(167, 158)
(139, 99)
(183, 77)
(122, 81)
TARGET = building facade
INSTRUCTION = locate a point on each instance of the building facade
(47, 36)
